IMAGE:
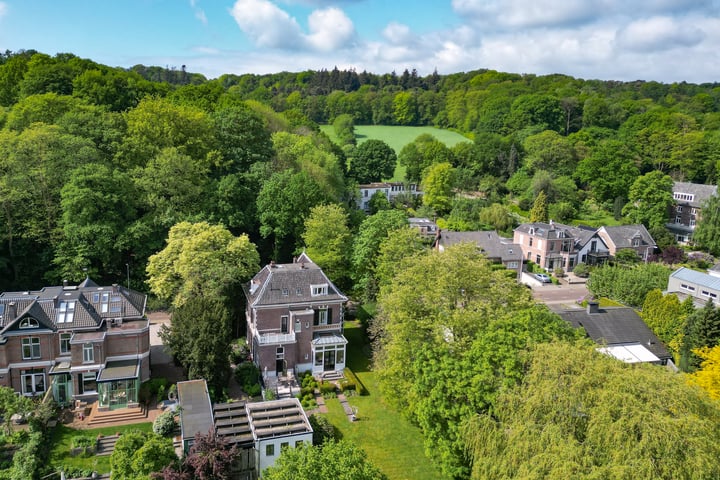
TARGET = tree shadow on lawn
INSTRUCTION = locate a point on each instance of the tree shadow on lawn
(358, 349)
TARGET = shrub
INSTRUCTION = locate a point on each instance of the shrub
(347, 385)
(165, 424)
(350, 375)
(247, 373)
(581, 270)
(327, 387)
(81, 441)
(239, 351)
(322, 429)
(252, 390)
(269, 394)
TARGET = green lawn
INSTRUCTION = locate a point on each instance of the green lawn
(397, 137)
(391, 442)
(62, 441)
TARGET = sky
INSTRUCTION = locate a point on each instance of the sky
(661, 40)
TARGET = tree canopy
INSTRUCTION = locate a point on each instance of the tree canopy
(581, 414)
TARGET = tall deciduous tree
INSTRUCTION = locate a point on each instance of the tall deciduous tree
(283, 204)
(331, 461)
(372, 231)
(451, 333)
(581, 414)
(201, 260)
(399, 245)
(327, 241)
(708, 376)
(666, 317)
(372, 161)
(707, 232)
(649, 198)
(209, 458)
(137, 455)
(437, 187)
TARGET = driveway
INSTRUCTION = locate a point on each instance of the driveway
(557, 297)
(161, 363)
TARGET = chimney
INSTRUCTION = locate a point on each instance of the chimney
(593, 307)
(552, 225)
(272, 263)
(65, 283)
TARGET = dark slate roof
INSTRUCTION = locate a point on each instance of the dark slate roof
(622, 235)
(700, 191)
(278, 284)
(277, 418)
(89, 311)
(549, 231)
(616, 325)
(489, 242)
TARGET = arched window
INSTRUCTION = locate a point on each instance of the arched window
(29, 323)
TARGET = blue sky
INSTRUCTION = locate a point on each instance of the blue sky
(663, 40)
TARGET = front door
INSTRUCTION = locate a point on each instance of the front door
(329, 360)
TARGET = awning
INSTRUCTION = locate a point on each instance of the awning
(333, 339)
(119, 370)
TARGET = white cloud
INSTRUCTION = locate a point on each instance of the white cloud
(330, 29)
(269, 26)
(266, 24)
(658, 33)
(3, 9)
(200, 15)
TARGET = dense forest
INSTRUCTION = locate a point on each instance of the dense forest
(98, 163)
(184, 186)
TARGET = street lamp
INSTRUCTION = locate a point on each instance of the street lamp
(127, 267)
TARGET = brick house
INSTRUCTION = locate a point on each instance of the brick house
(553, 245)
(684, 213)
(81, 341)
(633, 237)
(295, 320)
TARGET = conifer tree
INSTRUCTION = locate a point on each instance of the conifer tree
(539, 211)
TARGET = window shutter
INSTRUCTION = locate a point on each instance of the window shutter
(316, 317)
(329, 314)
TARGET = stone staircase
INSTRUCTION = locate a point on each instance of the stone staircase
(105, 445)
(121, 416)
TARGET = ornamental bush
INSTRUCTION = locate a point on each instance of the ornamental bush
(165, 424)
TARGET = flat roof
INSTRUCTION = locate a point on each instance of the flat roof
(196, 414)
(119, 370)
(277, 418)
(634, 353)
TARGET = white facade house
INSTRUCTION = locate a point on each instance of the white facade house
(391, 190)
(701, 286)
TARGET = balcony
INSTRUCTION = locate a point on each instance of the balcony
(330, 327)
(275, 338)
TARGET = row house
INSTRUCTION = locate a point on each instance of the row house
(295, 320)
(83, 341)
(684, 212)
(391, 190)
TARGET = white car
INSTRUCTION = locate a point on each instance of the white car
(542, 277)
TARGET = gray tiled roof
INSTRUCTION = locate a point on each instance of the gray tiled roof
(622, 235)
(616, 325)
(489, 243)
(278, 284)
(89, 312)
(700, 191)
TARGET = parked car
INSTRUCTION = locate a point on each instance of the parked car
(542, 277)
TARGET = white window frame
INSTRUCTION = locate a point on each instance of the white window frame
(33, 343)
(34, 376)
(66, 311)
(29, 322)
(65, 340)
(318, 290)
(88, 353)
(86, 375)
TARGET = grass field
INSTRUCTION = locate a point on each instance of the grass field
(391, 442)
(397, 137)
(62, 442)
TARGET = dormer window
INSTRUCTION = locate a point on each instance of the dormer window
(29, 323)
(318, 290)
(66, 311)
(636, 242)
(285, 292)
